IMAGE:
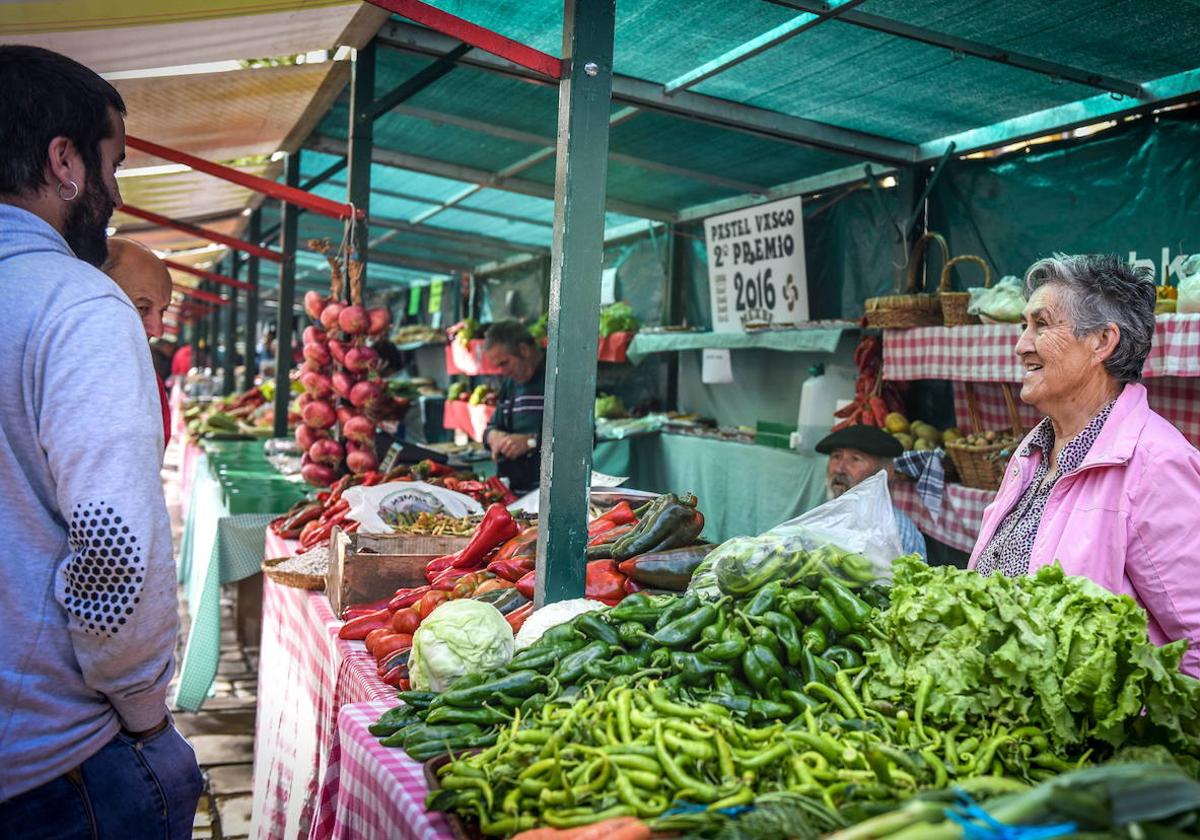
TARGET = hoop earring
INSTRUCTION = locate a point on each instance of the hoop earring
(73, 195)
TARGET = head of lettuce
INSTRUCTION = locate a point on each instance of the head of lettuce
(457, 638)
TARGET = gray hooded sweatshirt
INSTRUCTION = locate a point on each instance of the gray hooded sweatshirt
(87, 578)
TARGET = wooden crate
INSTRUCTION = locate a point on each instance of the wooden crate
(369, 567)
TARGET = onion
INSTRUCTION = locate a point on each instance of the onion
(318, 414)
(318, 475)
(361, 359)
(359, 429)
(317, 384)
(353, 320)
(365, 392)
(344, 413)
(314, 303)
(306, 436)
(343, 382)
(378, 320)
(317, 354)
(337, 350)
(360, 461)
(304, 399)
(329, 315)
(327, 451)
(314, 335)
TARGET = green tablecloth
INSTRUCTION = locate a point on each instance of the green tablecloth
(222, 542)
(743, 488)
(813, 340)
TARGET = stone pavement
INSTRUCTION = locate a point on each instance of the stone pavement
(222, 733)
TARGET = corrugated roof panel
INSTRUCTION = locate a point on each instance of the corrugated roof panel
(537, 209)
(185, 195)
(453, 219)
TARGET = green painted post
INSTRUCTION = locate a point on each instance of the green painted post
(584, 103)
(228, 386)
(251, 370)
(214, 331)
(361, 143)
(287, 298)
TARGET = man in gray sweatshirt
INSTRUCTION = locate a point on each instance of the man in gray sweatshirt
(87, 578)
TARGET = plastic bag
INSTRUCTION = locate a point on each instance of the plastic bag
(1004, 301)
(368, 505)
(1189, 285)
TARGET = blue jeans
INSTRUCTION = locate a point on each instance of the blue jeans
(130, 790)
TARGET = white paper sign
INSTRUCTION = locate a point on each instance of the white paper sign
(756, 266)
(600, 479)
(608, 286)
(716, 366)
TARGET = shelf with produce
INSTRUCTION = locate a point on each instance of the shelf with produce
(460, 415)
(819, 338)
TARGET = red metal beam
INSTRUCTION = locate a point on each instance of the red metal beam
(199, 294)
(475, 35)
(208, 275)
(203, 233)
(292, 195)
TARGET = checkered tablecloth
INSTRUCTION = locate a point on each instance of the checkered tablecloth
(985, 353)
(960, 519)
(306, 674)
(371, 791)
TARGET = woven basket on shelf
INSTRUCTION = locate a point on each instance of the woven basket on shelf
(954, 304)
(296, 580)
(982, 465)
(911, 308)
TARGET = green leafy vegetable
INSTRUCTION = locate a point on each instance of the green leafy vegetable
(459, 637)
(617, 317)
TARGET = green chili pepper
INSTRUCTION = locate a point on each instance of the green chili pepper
(544, 657)
(623, 665)
(856, 641)
(856, 611)
(759, 664)
(557, 633)
(677, 608)
(695, 668)
(771, 710)
(764, 599)
(630, 633)
(483, 716)
(827, 610)
(808, 666)
(700, 790)
(686, 629)
(826, 669)
(731, 646)
(570, 669)
(417, 699)
(595, 627)
(787, 633)
(393, 720)
(842, 656)
(516, 683)
(814, 637)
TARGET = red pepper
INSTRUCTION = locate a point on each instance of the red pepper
(429, 602)
(605, 582)
(493, 585)
(467, 584)
(503, 495)
(358, 628)
(355, 610)
(371, 478)
(517, 617)
(611, 535)
(632, 586)
(391, 643)
(406, 597)
(525, 584)
(434, 469)
(497, 528)
(523, 543)
(406, 620)
(396, 678)
(446, 579)
(620, 514)
(512, 570)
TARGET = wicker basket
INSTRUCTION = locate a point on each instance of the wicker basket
(954, 304)
(912, 308)
(296, 580)
(982, 466)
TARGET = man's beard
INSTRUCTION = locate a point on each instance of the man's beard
(833, 490)
(87, 221)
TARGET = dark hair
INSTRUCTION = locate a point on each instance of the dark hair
(508, 334)
(1103, 289)
(44, 95)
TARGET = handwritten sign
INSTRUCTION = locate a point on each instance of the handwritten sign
(756, 271)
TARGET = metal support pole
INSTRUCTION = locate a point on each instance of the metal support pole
(287, 295)
(675, 308)
(584, 103)
(361, 143)
(227, 383)
(251, 369)
(214, 333)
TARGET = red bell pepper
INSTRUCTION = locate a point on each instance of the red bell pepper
(605, 582)
(375, 635)
(610, 536)
(497, 528)
(406, 620)
(511, 570)
(447, 579)
(429, 602)
(358, 628)
(499, 490)
(391, 643)
(523, 543)
(406, 597)
(517, 617)
(620, 514)
(492, 585)
(355, 610)
(525, 584)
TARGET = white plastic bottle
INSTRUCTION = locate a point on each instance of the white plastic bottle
(819, 398)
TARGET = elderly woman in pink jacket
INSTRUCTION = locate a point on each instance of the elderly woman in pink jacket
(1103, 484)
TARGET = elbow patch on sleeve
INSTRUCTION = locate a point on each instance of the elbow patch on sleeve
(102, 582)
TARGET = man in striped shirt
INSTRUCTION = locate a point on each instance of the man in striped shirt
(857, 453)
(514, 433)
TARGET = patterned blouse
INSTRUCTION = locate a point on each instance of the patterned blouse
(1012, 545)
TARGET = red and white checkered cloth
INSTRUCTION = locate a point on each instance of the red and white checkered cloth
(962, 513)
(276, 546)
(372, 791)
(985, 352)
(305, 676)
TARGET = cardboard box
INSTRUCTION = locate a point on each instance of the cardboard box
(369, 567)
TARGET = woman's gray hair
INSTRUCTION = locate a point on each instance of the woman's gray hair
(1103, 289)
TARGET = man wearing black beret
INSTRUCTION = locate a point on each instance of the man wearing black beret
(857, 453)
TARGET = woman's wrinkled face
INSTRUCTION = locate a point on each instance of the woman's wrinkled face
(1057, 362)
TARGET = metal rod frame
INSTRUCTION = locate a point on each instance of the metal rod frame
(211, 276)
(227, 383)
(202, 233)
(250, 370)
